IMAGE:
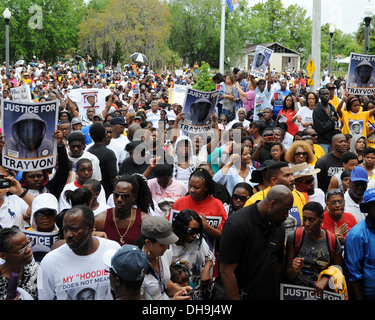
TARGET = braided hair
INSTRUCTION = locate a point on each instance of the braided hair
(140, 188)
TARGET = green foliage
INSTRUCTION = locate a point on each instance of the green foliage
(132, 26)
(204, 79)
(58, 33)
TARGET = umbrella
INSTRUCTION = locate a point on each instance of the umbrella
(20, 62)
(140, 57)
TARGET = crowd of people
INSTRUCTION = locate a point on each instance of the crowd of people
(280, 190)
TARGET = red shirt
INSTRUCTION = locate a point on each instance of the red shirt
(329, 223)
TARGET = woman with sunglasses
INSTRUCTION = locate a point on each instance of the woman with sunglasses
(193, 248)
(335, 219)
(299, 152)
(19, 267)
(132, 200)
(241, 193)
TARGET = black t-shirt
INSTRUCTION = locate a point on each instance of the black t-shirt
(329, 165)
(257, 251)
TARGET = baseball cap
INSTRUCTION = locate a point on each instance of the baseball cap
(97, 115)
(75, 120)
(359, 173)
(117, 120)
(160, 229)
(129, 262)
(368, 196)
(256, 175)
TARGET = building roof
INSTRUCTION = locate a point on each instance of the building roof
(275, 46)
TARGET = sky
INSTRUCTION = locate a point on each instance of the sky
(345, 15)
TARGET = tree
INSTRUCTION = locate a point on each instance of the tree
(45, 29)
(141, 27)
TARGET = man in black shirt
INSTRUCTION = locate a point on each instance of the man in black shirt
(252, 247)
(107, 158)
(325, 119)
(331, 163)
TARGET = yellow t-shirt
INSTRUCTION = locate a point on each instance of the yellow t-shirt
(295, 212)
(335, 102)
(355, 123)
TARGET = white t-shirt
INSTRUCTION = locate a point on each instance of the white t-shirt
(63, 202)
(262, 101)
(12, 212)
(307, 116)
(67, 276)
(96, 173)
(353, 208)
(153, 288)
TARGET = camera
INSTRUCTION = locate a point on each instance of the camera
(4, 183)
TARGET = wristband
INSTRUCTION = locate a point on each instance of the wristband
(23, 193)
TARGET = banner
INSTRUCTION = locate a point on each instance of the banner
(293, 292)
(198, 108)
(361, 74)
(28, 130)
(89, 98)
(261, 58)
(46, 239)
(232, 4)
(21, 93)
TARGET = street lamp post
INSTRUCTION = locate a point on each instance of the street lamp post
(368, 12)
(6, 15)
(331, 32)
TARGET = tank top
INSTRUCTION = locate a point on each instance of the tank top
(133, 233)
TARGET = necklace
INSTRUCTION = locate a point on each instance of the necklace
(130, 222)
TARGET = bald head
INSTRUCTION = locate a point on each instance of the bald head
(280, 193)
(132, 129)
(276, 205)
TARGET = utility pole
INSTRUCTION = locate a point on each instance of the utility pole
(316, 42)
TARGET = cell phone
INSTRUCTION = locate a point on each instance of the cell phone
(4, 184)
(189, 293)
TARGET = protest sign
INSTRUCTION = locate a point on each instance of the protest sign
(39, 238)
(28, 130)
(89, 98)
(179, 94)
(293, 292)
(21, 93)
(361, 74)
(261, 58)
(198, 108)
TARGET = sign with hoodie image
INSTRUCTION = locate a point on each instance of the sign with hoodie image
(28, 135)
(361, 74)
(198, 108)
(261, 58)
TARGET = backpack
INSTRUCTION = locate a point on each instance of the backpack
(331, 239)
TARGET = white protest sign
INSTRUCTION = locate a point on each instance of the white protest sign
(89, 98)
(21, 93)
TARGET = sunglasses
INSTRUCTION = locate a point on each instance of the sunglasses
(193, 231)
(300, 154)
(310, 181)
(340, 202)
(22, 250)
(42, 213)
(241, 198)
(124, 196)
